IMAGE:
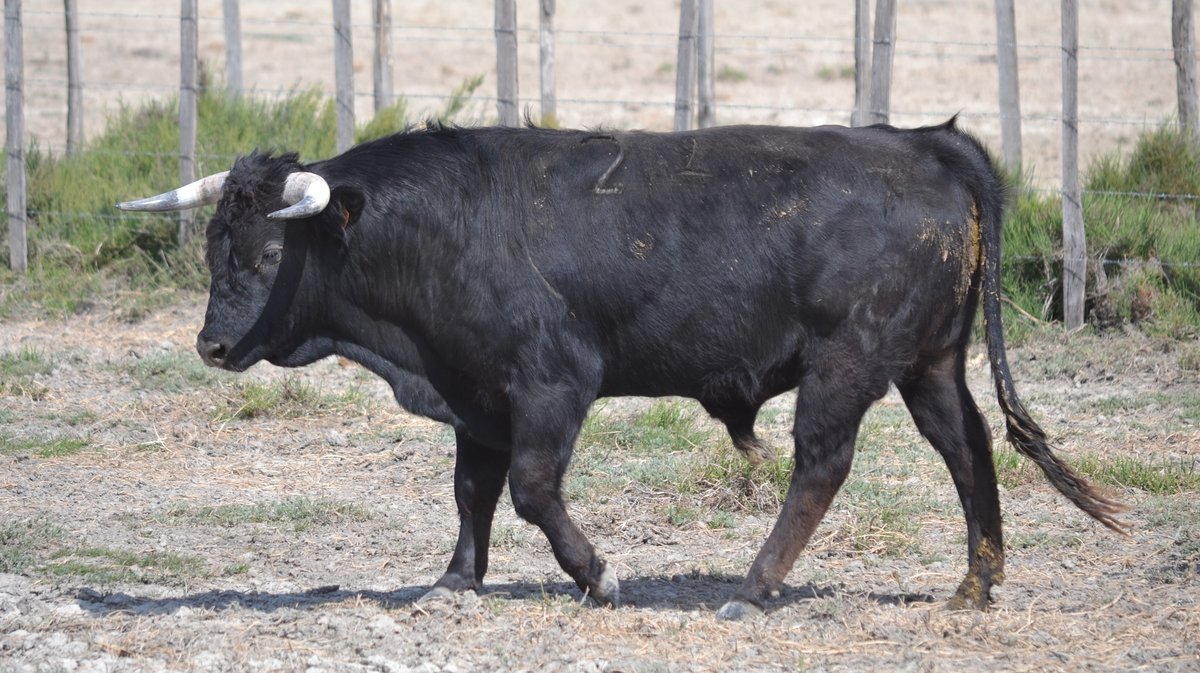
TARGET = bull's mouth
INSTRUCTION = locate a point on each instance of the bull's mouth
(229, 367)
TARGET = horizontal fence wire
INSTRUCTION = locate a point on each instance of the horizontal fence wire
(68, 217)
(619, 39)
(530, 36)
(532, 100)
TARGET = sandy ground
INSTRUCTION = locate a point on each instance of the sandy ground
(779, 62)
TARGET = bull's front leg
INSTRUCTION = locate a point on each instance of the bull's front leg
(479, 474)
(546, 418)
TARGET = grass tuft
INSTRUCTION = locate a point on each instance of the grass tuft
(26, 362)
(297, 514)
(884, 517)
(288, 398)
(1157, 476)
(41, 447)
(173, 372)
(19, 371)
(668, 425)
(23, 543)
(105, 565)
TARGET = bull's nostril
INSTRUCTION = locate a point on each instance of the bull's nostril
(212, 352)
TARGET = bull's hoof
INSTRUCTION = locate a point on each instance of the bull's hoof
(436, 594)
(737, 610)
(608, 593)
(972, 594)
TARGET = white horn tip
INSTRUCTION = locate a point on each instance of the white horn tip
(152, 204)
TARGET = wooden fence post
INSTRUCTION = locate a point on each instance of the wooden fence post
(14, 103)
(1074, 240)
(506, 63)
(74, 79)
(343, 68)
(1183, 39)
(706, 113)
(881, 61)
(384, 94)
(1010, 96)
(188, 75)
(546, 59)
(685, 65)
(233, 46)
(862, 62)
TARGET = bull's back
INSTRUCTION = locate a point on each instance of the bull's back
(689, 259)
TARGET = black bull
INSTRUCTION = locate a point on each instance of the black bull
(501, 280)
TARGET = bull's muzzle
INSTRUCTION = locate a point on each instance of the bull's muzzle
(214, 353)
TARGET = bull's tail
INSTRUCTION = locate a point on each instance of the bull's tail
(1024, 434)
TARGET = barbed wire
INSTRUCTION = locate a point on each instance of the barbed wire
(1160, 196)
(532, 100)
(900, 51)
(1105, 260)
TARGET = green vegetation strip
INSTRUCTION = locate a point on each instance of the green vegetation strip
(288, 398)
(1155, 476)
(24, 542)
(296, 513)
(1152, 276)
(52, 447)
(104, 565)
(35, 546)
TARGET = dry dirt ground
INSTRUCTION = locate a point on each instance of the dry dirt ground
(158, 516)
(778, 62)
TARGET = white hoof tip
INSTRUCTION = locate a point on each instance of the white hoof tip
(609, 591)
(735, 611)
(436, 594)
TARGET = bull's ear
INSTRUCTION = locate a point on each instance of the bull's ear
(350, 202)
(345, 207)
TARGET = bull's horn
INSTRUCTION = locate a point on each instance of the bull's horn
(306, 193)
(202, 192)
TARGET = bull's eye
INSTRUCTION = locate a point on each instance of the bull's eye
(270, 257)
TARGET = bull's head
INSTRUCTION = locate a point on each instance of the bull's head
(260, 241)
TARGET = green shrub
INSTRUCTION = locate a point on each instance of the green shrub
(1151, 244)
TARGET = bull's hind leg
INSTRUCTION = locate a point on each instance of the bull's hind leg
(827, 419)
(479, 474)
(739, 421)
(946, 415)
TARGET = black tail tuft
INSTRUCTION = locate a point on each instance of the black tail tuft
(1030, 441)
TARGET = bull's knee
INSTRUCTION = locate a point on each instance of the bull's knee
(531, 503)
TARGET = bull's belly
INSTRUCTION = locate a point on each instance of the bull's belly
(703, 372)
